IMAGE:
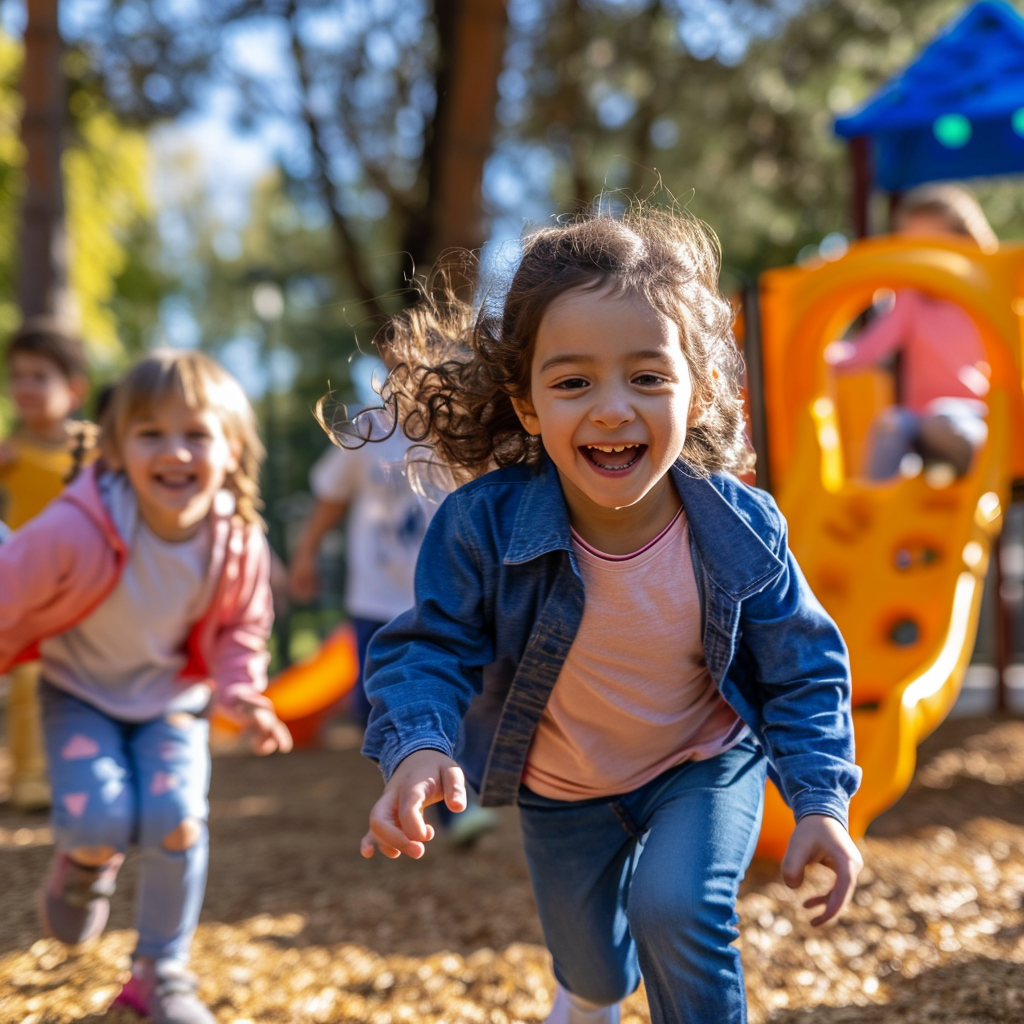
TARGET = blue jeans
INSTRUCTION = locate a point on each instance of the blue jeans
(117, 783)
(949, 429)
(646, 884)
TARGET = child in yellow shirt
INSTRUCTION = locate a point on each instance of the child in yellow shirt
(46, 380)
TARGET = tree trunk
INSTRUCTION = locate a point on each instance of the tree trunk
(43, 269)
(471, 42)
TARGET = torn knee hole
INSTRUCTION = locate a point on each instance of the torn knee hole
(184, 836)
(92, 856)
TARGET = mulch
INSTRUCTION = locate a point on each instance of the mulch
(298, 928)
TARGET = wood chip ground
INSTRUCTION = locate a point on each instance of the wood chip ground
(297, 928)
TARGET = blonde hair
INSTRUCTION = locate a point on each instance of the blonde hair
(203, 384)
(458, 371)
(957, 207)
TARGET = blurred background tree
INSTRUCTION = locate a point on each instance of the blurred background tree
(106, 269)
(390, 131)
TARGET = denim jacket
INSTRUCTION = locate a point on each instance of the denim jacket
(499, 597)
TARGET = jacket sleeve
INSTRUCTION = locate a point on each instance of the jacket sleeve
(425, 666)
(801, 670)
(49, 570)
(238, 656)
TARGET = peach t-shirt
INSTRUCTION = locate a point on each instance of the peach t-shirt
(634, 697)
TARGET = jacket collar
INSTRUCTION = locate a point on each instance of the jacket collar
(734, 555)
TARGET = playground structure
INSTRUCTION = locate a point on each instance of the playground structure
(899, 564)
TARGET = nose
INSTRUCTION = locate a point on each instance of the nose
(177, 448)
(612, 407)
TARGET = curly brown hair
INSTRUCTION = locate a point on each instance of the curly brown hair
(456, 371)
(203, 383)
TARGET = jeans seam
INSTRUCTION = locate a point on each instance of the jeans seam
(625, 820)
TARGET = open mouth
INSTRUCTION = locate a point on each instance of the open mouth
(613, 458)
(175, 483)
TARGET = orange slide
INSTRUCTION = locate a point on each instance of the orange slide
(899, 564)
(304, 692)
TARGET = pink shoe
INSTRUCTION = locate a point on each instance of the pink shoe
(165, 993)
(75, 900)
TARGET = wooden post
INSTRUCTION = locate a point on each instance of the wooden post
(43, 286)
(860, 164)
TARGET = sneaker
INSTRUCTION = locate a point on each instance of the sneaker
(75, 900)
(568, 1009)
(469, 825)
(165, 993)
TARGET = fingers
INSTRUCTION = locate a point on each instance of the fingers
(793, 865)
(818, 839)
(837, 899)
(454, 783)
(368, 845)
(389, 833)
(410, 810)
(397, 824)
(282, 736)
(269, 733)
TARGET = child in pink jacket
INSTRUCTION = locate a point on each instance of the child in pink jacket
(943, 374)
(144, 590)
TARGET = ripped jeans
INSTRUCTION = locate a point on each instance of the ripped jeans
(120, 783)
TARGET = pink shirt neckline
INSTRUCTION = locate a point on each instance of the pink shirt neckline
(590, 549)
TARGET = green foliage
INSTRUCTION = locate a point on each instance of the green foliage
(287, 364)
(745, 143)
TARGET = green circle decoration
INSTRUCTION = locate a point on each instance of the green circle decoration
(1017, 120)
(953, 130)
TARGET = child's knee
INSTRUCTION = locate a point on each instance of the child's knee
(889, 422)
(92, 856)
(185, 836)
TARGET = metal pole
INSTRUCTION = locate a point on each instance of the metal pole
(752, 354)
(860, 162)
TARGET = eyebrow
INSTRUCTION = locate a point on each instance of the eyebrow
(574, 357)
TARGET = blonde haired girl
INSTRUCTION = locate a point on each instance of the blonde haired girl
(145, 590)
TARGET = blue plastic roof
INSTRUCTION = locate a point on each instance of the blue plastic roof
(967, 87)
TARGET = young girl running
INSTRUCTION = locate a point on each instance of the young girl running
(609, 627)
(145, 588)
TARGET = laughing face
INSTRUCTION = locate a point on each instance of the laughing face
(610, 396)
(176, 458)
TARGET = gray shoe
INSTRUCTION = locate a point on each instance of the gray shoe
(165, 993)
(75, 901)
(469, 825)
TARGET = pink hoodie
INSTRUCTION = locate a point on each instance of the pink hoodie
(942, 349)
(63, 563)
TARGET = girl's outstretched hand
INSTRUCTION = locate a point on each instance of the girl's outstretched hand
(260, 724)
(818, 839)
(397, 825)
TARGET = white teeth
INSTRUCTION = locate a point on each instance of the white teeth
(611, 447)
